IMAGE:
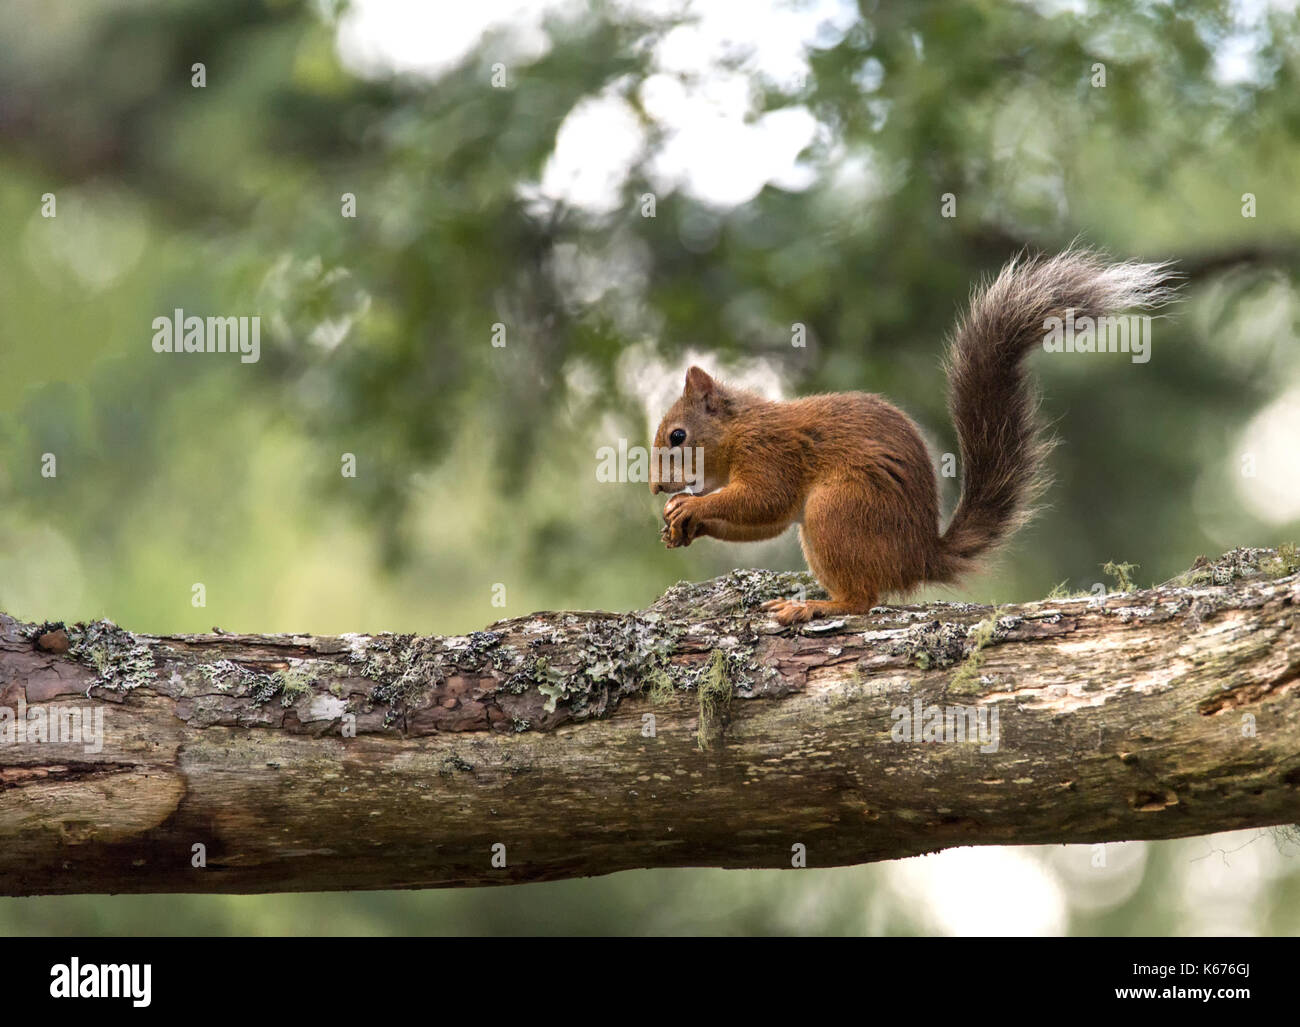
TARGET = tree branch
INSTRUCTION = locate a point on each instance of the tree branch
(695, 733)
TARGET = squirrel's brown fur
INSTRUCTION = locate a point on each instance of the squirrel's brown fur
(851, 468)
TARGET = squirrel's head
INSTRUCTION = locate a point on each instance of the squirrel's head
(688, 448)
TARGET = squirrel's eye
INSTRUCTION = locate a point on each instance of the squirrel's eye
(677, 437)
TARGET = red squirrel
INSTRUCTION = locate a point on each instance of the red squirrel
(852, 470)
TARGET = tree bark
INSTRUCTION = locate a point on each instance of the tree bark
(695, 733)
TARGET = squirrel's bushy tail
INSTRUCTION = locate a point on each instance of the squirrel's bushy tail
(992, 402)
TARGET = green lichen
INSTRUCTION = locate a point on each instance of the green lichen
(937, 644)
(295, 683)
(1239, 564)
(120, 660)
(478, 651)
(1063, 591)
(538, 670)
(1286, 562)
(1122, 573)
(259, 686)
(403, 668)
(554, 692)
(715, 689)
(224, 674)
(616, 656)
(662, 688)
(1196, 577)
(967, 679)
(264, 687)
(741, 591)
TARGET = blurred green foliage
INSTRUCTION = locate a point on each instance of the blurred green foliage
(476, 464)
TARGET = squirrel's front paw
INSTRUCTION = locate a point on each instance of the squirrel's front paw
(681, 520)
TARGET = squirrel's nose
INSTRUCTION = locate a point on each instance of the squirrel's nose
(654, 488)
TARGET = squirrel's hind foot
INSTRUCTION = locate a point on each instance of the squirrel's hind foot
(792, 611)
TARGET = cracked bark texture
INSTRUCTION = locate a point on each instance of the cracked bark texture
(576, 740)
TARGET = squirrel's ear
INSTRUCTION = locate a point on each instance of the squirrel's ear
(698, 382)
(702, 387)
